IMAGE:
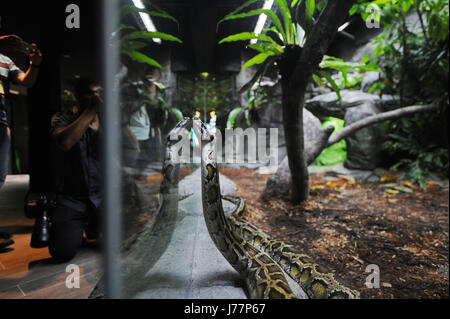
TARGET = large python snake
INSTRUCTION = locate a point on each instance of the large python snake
(254, 254)
(316, 281)
(261, 260)
(263, 277)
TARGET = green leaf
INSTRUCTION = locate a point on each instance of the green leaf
(273, 30)
(335, 153)
(247, 117)
(150, 35)
(345, 76)
(130, 46)
(163, 102)
(232, 116)
(333, 84)
(126, 27)
(158, 8)
(178, 114)
(258, 59)
(243, 36)
(239, 9)
(406, 5)
(310, 8)
(251, 101)
(159, 85)
(269, 13)
(403, 189)
(319, 81)
(127, 9)
(267, 48)
(294, 3)
(340, 65)
(142, 58)
(353, 10)
(288, 25)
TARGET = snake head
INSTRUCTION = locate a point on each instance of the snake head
(200, 129)
(175, 135)
(184, 123)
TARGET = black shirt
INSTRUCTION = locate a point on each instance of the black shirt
(81, 175)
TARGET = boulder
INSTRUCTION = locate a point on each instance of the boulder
(328, 104)
(364, 147)
(369, 79)
(279, 184)
(312, 129)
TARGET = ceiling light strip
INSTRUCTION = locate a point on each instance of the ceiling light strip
(148, 23)
(262, 20)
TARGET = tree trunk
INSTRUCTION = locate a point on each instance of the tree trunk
(296, 68)
(293, 132)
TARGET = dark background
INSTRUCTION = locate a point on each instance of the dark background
(43, 23)
(69, 52)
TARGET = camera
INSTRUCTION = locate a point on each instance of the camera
(39, 208)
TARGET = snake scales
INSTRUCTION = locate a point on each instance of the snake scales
(254, 254)
(261, 260)
(316, 281)
(263, 277)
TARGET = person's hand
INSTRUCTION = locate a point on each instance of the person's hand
(95, 124)
(93, 101)
(35, 55)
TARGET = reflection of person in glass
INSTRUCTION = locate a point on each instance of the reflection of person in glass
(9, 72)
(77, 134)
(140, 126)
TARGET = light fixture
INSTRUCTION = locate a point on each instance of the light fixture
(342, 27)
(262, 20)
(148, 23)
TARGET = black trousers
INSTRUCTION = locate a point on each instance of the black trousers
(68, 226)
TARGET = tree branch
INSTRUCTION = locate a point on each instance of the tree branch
(280, 183)
(391, 115)
(324, 31)
(317, 148)
(262, 69)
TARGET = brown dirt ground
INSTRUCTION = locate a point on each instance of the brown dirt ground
(347, 225)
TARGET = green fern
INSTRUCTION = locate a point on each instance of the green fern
(130, 43)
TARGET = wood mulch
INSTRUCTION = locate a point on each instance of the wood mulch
(347, 225)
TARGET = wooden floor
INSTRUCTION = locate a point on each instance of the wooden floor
(30, 273)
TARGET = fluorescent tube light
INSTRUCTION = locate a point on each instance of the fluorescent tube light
(342, 27)
(146, 19)
(262, 20)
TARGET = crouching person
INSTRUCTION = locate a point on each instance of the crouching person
(77, 134)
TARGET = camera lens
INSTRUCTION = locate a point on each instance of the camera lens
(41, 231)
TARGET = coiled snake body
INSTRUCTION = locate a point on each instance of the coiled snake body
(316, 281)
(263, 277)
(247, 248)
